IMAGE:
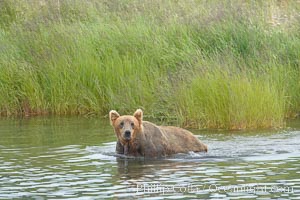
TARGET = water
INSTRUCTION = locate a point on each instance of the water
(73, 158)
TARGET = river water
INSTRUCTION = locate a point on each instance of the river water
(73, 158)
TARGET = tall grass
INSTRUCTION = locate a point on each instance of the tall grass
(230, 99)
(208, 64)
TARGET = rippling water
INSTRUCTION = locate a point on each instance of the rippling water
(73, 158)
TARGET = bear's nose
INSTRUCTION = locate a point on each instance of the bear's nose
(127, 134)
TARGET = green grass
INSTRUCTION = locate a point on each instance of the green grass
(206, 64)
(230, 99)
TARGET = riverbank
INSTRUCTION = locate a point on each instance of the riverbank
(205, 64)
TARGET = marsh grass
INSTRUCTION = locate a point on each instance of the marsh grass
(229, 65)
(230, 99)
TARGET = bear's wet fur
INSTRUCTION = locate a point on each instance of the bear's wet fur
(140, 138)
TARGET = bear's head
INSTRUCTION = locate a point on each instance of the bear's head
(127, 126)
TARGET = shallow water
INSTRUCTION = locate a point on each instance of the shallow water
(73, 158)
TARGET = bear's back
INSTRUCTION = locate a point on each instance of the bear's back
(156, 144)
(181, 140)
(161, 141)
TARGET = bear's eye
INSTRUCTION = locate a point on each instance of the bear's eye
(132, 124)
(121, 124)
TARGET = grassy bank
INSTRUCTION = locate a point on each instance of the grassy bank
(206, 64)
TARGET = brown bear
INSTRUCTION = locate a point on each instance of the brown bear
(144, 139)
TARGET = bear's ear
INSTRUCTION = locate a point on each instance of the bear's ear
(138, 114)
(113, 115)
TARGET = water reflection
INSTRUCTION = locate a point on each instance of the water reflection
(239, 165)
(207, 180)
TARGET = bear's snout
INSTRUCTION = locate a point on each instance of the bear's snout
(127, 135)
